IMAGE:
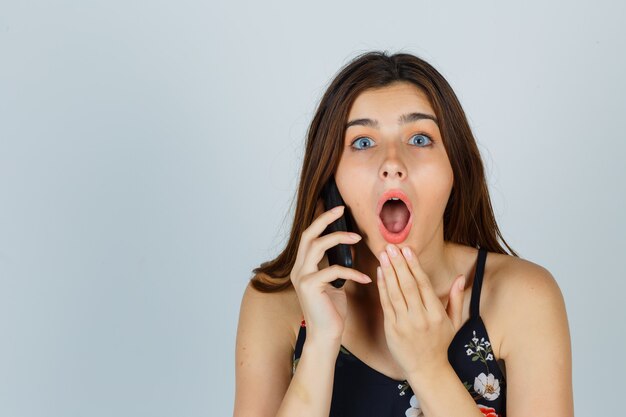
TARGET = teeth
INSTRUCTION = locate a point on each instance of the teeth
(394, 198)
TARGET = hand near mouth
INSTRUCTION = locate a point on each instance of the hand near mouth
(417, 327)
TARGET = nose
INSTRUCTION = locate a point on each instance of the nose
(392, 167)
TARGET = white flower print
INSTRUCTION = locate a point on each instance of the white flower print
(414, 410)
(479, 350)
(487, 386)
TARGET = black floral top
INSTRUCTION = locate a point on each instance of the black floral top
(359, 390)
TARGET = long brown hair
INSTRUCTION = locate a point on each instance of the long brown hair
(468, 216)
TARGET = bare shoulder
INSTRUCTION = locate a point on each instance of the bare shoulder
(511, 277)
(522, 295)
(263, 350)
(278, 310)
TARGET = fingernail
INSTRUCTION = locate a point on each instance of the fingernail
(384, 259)
(379, 272)
(407, 252)
(392, 250)
(368, 279)
(337, 209)
(354, 236)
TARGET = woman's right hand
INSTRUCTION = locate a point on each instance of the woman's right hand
(324, 306)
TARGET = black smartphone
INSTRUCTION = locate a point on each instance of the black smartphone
(339, 254)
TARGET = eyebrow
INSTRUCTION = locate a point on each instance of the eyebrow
(405, 118)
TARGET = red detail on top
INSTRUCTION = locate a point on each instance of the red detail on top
(303, 324)
(487, 411)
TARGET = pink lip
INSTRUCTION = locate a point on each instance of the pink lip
(402, 235)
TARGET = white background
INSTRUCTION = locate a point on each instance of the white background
(149, 153)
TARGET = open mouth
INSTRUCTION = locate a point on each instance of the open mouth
(395, 216)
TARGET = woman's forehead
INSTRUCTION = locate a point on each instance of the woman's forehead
(391, 105)
(390, 102)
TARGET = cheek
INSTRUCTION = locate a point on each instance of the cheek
(351, 188)
(356, 200)
(355, 182)
(434, 184)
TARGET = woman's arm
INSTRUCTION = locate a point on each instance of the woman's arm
(263, 357)
(536, 346)
(311, 388)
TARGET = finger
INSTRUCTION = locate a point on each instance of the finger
(320, 223)
(429, 298)
(319, 246)
(334, 272)
(406, 280)
(455, 303)
(385, 302)
(313, 232)
(393, 287)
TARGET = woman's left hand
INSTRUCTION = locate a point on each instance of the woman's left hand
(417, 326)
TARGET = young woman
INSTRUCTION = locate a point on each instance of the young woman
(435, 318)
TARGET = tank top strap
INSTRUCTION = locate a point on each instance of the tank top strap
(478, 281)
(300, 339)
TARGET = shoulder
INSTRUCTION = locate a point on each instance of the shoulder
(512, 277)
(523, 297)
(277, 312)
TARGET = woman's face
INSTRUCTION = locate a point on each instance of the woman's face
(395, 152)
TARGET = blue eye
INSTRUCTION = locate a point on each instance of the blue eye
(360, 140)
(423, 139)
